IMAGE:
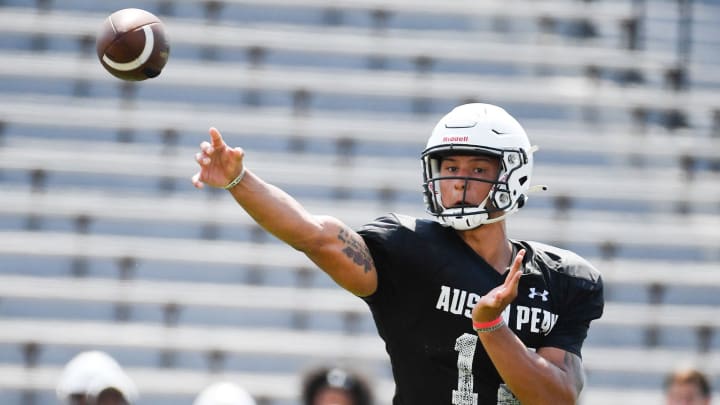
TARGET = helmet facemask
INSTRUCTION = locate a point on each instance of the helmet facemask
(498, 199)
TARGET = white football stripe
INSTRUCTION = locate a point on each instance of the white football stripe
(140, 60)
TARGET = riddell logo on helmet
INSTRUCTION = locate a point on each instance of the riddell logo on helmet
(455, 138)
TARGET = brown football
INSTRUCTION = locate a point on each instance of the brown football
(132, 44)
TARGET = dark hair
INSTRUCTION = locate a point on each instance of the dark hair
(689, 376)
(338, 378)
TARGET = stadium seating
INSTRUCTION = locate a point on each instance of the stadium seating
(105, 244)
(561, 92)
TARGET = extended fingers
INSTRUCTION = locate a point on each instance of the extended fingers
(216, 138)
(207, 148)
(202, 159)
(516, 268)
(196, 181)
(515, 282)
(517, 263)
(509, 287)
(490, 305)
(215, 158)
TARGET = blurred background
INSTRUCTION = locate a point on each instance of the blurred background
(105, 244)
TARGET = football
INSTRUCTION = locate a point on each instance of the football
(132, 45)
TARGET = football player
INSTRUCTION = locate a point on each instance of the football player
(468, 315)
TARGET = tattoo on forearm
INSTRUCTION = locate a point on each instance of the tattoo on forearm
(575, 369)
(355, 250)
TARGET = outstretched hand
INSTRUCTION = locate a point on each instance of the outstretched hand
(219, 163)
(492, 304)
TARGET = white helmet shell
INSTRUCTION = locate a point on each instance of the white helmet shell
(91, 372)
(224, 393)
(482, 129)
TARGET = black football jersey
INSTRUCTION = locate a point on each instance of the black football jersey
(429, 280)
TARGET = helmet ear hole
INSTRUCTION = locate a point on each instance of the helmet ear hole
(521, 201)
(501, 199)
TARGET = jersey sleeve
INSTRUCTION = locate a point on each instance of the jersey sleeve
(582, 303)
(399, 247)
(577, 290)
(379, 238)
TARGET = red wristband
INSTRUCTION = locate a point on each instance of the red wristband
(488, 326)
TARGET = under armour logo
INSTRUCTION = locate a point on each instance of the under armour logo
(534, 294)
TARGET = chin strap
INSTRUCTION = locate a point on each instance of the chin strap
(533, 189)
(501, 217)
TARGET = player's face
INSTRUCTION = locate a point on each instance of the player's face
(333, 396)
(461, 192)
(77, 399)
(685, 394)
(110, 396)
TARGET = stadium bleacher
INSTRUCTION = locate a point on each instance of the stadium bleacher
(105, 244)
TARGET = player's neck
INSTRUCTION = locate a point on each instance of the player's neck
(491, 243)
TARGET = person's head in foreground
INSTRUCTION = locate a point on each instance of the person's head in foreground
(687, 386)
(224, 393)
(335, 386)
(95, 378)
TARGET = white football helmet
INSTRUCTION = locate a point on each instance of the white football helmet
(91, 372)
(481, 129)
(224, 393)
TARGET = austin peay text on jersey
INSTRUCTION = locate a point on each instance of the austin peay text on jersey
(527, 318)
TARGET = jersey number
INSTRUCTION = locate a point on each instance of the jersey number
(465, 346)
